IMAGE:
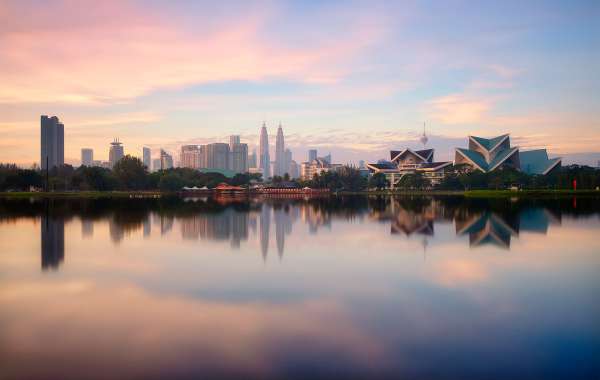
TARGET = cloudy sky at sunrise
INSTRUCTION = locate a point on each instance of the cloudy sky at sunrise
(351, 78)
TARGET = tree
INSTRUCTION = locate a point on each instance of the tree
(413, 182)
(379, 181)
(171, 182)
(130, 173)
(351, 179)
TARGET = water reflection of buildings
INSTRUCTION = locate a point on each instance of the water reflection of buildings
(493, 228)
(53, 242)
(87, 228)
(227, 225)
(315, 218)
(408, 221)
(482, 225)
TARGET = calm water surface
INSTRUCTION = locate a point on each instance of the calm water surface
(283, 288)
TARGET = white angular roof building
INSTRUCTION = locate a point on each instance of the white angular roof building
(490, 154)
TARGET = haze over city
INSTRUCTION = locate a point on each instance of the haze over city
(351, 78)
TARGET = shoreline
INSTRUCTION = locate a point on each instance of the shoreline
(467, 193)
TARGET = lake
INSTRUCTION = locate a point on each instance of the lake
(332, 287)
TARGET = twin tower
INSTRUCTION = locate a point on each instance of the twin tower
(282, 156)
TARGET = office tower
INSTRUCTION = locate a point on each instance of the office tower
(217, 156)
(156, 164)
(327, 158)
(361, 164)
(115, 153)
(202, 157)
(263, 151)
(312, 155)
(252, 159)
(87, 157)
(52, 142)
(279, 153)
(147, 158)
(234, 139)
(166, 160)
(287, 162)
(238, 158)
(294, 169)
(190, 156)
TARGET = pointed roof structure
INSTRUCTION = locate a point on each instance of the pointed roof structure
(537, 162)
(488, 154)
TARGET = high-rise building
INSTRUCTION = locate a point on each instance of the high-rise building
(190, 156)
(166, 160)
(217, 156)
(52, 142)
(287, 162)
(252, 159)
(115, 153)
(202, 157)
(147, 158)
(238, 157)
(294, 169)
(87, 157)
(156, 164)
(263, 151)
(234, 139)
(280, 168)
(312, 155)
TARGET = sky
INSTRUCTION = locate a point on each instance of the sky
(353, 79)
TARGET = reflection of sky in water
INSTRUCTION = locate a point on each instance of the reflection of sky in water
(422, 288)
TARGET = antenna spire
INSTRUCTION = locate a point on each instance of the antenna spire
(424, 137)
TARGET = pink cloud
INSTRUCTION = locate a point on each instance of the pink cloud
(110, 52)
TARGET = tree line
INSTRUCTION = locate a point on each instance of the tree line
(130, 174)
(127, 174)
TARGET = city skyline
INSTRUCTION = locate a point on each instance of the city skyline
(360, 82)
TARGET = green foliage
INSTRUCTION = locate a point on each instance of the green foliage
(93, 178)
(378, 181)
(345, 178)
(14, 178)
(130, 173)
(171, 182)
(413, 182)
(587, 179)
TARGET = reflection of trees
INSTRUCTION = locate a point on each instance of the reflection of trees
(485, 221)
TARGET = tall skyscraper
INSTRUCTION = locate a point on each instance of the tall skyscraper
(52, 142)
(263, 151)
(147, 158)
(312, 155)
(156, 164)
(115, 153)
(294, 169)
(234, 139)
(166, 160)
(279, 153)
(190, 156)
(287, 162)
(252, 159)
(238, 157)
(87, 157)
(217, 156)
